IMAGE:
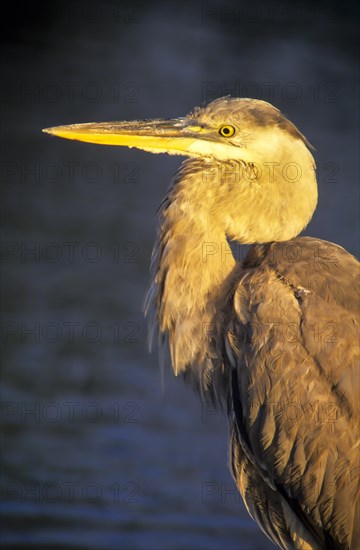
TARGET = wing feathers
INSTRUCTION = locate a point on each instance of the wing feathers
(294, 340)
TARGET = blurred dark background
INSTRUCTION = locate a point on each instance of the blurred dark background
(94, 453)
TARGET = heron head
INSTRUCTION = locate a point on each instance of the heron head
(225, 129)
(279, 167)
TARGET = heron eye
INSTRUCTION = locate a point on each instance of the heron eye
(227, 130)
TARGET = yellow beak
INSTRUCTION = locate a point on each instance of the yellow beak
(173, 136)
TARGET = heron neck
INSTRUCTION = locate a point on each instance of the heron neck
(191, 261)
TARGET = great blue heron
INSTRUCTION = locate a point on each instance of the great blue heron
(274, 337)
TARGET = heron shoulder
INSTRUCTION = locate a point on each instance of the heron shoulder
(318, 266)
